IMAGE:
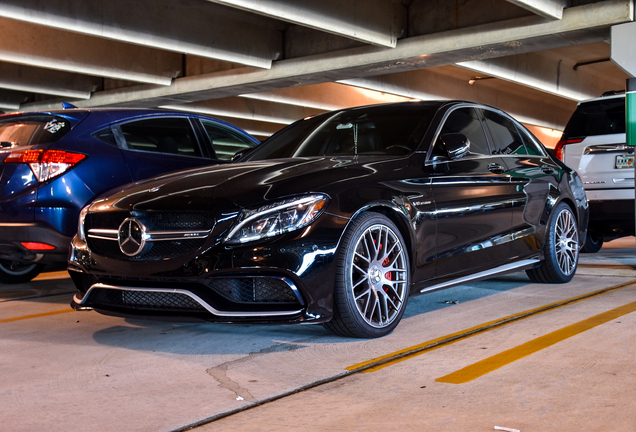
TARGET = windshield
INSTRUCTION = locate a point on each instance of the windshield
(376, 130)
(31, 130)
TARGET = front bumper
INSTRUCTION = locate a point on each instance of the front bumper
(182, 304)
(289, 279)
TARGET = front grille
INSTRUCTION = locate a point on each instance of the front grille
(253, 290)
(155, 221)
(178, 221)
(144, 300)
(104, 220)
(153, 251)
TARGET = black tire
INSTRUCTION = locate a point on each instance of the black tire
(561, 248)
(592, 243)
(13, 272)
(372, 282)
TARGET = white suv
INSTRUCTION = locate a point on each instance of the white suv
(593, 143)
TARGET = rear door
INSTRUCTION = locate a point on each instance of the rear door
(226, 142)
(156, 145)
(472, 200)
(534, 181)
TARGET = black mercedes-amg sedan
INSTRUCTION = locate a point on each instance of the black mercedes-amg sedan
(337, 219)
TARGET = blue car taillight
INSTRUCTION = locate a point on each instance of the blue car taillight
(46, 164)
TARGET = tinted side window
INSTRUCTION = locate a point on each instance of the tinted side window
(505, 137)
(106, 135)
(226, 143)
(597, 118)
(465, 121)
(173, 135)
(531, 145)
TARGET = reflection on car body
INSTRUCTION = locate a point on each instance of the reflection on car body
(337, 219)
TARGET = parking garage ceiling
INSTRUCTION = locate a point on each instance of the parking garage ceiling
(262, 64)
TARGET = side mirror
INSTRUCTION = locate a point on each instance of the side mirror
(455, 144)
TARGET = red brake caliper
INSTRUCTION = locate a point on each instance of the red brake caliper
(387, 275)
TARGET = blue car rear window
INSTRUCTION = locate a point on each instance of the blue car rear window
(26, 131)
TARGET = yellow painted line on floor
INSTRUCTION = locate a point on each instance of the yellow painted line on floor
(497, 361)
(25, 317)
(62, 274)
(378, 363)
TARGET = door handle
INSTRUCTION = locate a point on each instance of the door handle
(495, 168)
(547, 169)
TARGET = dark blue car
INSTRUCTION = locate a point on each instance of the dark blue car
(54, 163)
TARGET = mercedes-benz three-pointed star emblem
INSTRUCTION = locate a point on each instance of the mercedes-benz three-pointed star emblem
(131, 237)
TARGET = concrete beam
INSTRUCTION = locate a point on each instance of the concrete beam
(376, 22)
(10, 100)
(50, 82)
(248, 109)
(582, 24)
(449, 82)
(550, 75)
(552, 9)
(188, 26)
(327, 96)
(48, 48)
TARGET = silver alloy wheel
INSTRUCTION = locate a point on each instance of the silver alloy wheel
(567, 242)
(378, 276)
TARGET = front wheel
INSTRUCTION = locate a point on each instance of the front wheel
(561, 249)
(13, 272)
(372, 279)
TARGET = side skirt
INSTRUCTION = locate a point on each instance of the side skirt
(487, 274)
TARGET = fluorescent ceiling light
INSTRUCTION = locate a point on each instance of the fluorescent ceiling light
(390, 92)
(67, 93)
(514, 76)
(307, 103)
(9, 106)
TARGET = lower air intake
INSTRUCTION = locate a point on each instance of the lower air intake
(253, 290)
(146, 300)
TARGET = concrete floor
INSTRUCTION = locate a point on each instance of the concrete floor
(81, 371)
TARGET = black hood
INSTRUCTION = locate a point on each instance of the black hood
(247, 184)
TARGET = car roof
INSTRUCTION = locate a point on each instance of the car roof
(609, 96)
(127, 112)
(114, 114)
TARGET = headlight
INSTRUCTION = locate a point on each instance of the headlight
(80, 225)
(277, 218)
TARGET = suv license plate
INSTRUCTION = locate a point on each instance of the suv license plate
(625, 161)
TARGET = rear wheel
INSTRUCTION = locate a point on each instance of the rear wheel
(592, 243)
(12, 272)
(561, 249)
(372, 279)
